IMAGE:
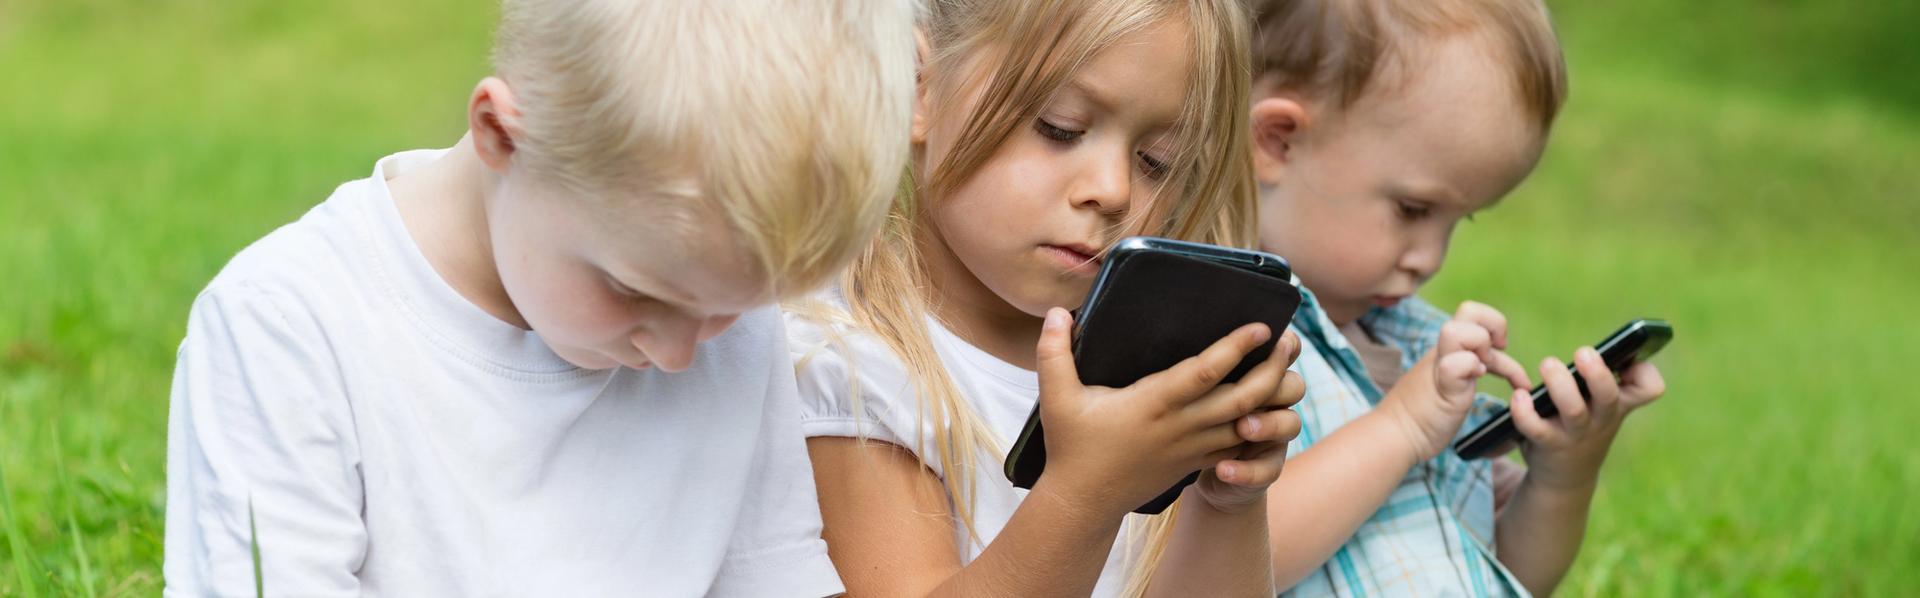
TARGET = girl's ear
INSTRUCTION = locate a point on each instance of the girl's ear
(493, 118)
(1278, 121)
(922, 118)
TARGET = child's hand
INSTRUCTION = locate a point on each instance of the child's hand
(1115, 449)
(1433, 398)
(1565, 452)
(1241, 482)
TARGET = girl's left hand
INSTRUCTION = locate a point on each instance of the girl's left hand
(1236, 484)
(1565, 452)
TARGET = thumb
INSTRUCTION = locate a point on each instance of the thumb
(1454, 374)
(1054, 356)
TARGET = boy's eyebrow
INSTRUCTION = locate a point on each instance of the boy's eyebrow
(656, 288)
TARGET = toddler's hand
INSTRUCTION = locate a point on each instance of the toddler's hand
(1432, 399)
(1565, 452)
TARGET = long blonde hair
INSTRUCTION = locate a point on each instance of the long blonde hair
(1023, 51)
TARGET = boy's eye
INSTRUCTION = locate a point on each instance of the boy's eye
(1056, 133)
(623, 291)
(1152, 167)
(1412, 210)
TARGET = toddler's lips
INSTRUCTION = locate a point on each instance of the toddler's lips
(1386, 302)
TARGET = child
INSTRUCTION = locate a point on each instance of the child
(1043, 132)
(545, 362)
(1377, 126)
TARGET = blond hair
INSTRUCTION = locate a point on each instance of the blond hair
(1021, 53)
(1335, 50)
(788, 118)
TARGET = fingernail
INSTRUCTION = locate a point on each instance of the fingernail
(1056, 318)
(1261, 334)
(1225, 471)
(1253, 425)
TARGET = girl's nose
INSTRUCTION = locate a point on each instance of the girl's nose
(1104, 183)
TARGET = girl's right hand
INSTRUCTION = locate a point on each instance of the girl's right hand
(1117, 448)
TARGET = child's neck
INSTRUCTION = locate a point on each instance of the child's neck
(971, 310)
(444, 207)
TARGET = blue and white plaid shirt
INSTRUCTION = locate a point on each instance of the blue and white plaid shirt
(1434, 534)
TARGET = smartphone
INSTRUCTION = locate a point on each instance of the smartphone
(1154, 303)
(1633, 343)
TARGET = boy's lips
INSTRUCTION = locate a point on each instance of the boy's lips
(1386, 301)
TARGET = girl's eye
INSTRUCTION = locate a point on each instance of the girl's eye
(1412, 211)
(1048, 130)
(1153, 168)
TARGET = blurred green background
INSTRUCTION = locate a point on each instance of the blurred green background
(1745, 169)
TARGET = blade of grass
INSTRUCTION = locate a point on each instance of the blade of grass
(73, 525)
(253, 540)
(16, 540)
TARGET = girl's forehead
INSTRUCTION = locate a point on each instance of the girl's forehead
(1143, 76)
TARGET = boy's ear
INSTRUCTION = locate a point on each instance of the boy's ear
(493, 118)
(922, 119)
(1277, 123)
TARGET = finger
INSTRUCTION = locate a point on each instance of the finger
(1565, 394)
(1210, 440)
(1486, 317)
(1460, 335)
(1260, 469)
(1269, 426)
(1507, 367)
(1254, 391)
(1527, 420)
(1290, 344)
(1053, 356)
(1603, 394)
(1293, 388)
(1455, 373)
(1641, 384)
(1194, 376)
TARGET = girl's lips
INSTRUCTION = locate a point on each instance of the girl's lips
(1073, 258)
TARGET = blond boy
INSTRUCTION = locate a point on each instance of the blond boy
(1378, 125)
(544, 362)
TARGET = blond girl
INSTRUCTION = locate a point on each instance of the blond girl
(1043, 132)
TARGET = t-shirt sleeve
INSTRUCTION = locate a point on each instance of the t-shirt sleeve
(260, 456)
(776, 548)
(849, 385)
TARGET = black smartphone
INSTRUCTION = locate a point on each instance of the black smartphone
(1154, 303)
(1633, 343)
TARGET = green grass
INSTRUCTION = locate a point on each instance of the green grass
(1747, 170)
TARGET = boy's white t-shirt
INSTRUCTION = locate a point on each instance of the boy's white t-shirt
(1003, 394)
(387, 437)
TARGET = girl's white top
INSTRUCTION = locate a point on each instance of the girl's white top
(830, 358)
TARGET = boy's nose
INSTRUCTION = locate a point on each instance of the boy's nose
(670, 343)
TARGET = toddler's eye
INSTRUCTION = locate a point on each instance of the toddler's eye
(1048, 130)
(1153, 168)
(1412, 211)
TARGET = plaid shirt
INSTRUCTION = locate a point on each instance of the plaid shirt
(1434, 534)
